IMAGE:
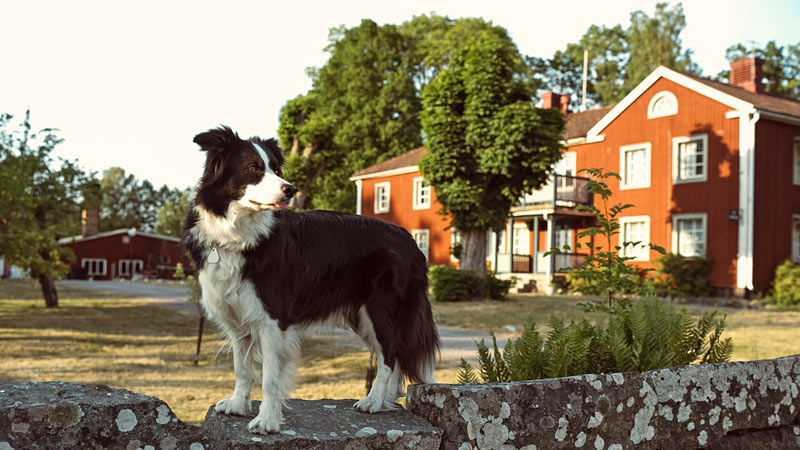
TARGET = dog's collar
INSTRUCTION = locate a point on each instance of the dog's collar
(213, 255)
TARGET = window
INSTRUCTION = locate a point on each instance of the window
(634, 162)
(455, 244)
(521, 242)
(422, 237)
(94, 266)
(690, 159)
(381, 198)
(635, 229)
(796, 239)
(128, 267)
(796, 164)
(662, 104)
(689, 234)
(422, 194)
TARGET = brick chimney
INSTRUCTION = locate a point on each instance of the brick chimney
(90, 221)
(747, 73)
(552, 100)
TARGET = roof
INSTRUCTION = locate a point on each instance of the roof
(105, 234)
(578, 124)
(398, 165)
(761, 100)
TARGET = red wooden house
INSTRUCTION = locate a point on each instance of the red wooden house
(123, 253)
(712, 169)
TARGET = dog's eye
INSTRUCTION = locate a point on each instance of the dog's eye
(253, 168)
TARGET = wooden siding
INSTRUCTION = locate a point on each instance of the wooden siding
(153, 252)
(718, 195)
(402, 213)
(777, 199)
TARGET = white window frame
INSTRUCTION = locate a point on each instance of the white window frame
(130, 266)
(422, 194)
(416, 234)
(660, 99)
(92, 262)
(455, 238)
(677, 158)
(796, 238)
(676, 218)
(521, 239)
(386, 186)
(796, 160)
(642, 251)
(623, 167)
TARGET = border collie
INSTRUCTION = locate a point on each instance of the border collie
(268, 273)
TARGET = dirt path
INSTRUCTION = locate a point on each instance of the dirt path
(457, 343)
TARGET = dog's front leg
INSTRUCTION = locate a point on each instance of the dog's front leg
(239, 403)
(269, 416)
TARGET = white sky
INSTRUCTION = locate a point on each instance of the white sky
(129, 84)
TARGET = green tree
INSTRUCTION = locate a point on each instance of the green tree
(781, 66)
(171, 215)
(130, 203)
(486, 141)
(39, 203)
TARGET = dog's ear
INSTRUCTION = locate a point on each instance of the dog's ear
(215, 140)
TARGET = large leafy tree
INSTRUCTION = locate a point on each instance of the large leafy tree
(486, 141)
(619, 59)
(781, 66)
(171, 215)
(40, 202)
(127, 202)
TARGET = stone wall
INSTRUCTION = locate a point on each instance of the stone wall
(743, 405)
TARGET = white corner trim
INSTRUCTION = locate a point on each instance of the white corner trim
(744, 260)
(679, 78)
(676, 179)
(359, 192)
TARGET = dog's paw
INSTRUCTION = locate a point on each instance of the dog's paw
(263, 424)
(234, 406)
(369, 405)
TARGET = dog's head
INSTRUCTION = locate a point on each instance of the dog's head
(246, 173)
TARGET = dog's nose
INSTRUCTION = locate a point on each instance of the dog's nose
(288, 190)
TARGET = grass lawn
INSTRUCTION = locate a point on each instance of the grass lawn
(127, 343)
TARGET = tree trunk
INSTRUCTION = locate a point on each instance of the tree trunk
(49, 291)
(473, 253)
(302, 193)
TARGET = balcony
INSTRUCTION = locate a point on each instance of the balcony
(561, 192)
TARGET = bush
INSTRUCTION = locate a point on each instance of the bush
(649, 335)
(787, 284)
(452, 285)
(677, 276)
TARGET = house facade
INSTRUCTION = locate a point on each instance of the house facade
(123, 254)
(713, 169)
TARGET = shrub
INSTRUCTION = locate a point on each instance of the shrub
(677, 276)
(649, 335)
(787, 284)
(452, 285)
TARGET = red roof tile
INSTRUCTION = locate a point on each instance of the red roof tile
(760, 100)
(578, 124)
(409, 159)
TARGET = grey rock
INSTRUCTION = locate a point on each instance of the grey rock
(325, 424)
(753, 405)
(58, 415)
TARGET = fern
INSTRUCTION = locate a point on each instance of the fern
(466, 373)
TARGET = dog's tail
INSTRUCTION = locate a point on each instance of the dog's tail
(417, 338)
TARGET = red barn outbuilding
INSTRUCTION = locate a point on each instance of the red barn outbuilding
(123, 253)
(713, 169)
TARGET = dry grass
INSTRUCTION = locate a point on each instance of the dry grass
(128, 343)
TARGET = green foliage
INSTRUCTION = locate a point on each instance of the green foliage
(40, 202)
(781, 66)
(606, 272)
(677, 276)
(650, 335)
(619, 59)
(787, 284)
(127, 202)
(451, 285)
(195, 290)
(171, 215)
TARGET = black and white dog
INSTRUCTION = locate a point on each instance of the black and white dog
(267, 273)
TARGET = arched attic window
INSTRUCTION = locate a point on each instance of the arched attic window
(662, 104)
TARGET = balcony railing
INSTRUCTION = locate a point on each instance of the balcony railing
(562, 190)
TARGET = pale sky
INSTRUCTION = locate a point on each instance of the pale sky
(129, 84)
